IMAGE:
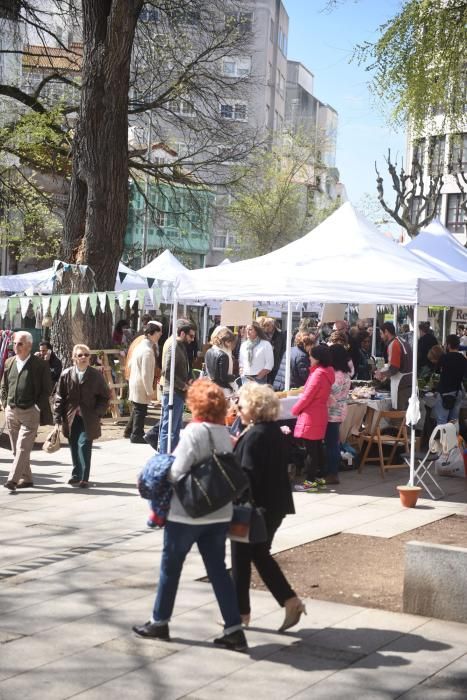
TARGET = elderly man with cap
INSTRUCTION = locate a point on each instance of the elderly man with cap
(25, 390)
(142, 367)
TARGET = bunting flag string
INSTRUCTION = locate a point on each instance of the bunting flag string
(51, 304)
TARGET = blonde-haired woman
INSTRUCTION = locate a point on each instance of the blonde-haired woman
(262, 451)
(219, 360)
(81, 401)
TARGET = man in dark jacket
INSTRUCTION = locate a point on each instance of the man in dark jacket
(425, 342)
(185, 335)
(25, 390)
(47, 354)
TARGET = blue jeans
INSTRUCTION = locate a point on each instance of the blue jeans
(333, 453)
(444, 415)
(179, 402)
(80, 447)
(178, 540)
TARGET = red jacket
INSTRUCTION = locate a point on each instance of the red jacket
(311, 408)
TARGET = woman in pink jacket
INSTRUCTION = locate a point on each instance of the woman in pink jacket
(312, 410)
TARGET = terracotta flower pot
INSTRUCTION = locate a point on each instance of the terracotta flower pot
(409, 495)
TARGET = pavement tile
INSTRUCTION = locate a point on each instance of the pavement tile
(69, 610)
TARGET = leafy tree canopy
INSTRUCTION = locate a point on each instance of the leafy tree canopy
(418, 63)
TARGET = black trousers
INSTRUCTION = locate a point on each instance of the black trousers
(135, 426)
(243, 555)
(314, 458)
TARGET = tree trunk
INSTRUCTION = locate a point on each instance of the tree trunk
(97, 211)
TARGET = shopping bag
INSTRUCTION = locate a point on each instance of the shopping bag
(248, 524)
(52, 441)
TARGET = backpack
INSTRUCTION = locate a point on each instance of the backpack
(154, 485)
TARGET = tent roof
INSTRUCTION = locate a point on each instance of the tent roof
(344, 259)
(437, 246)
(166, 267)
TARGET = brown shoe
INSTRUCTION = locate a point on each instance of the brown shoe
(24, 484)
(83, 484)
(294, 609)
(10, 485)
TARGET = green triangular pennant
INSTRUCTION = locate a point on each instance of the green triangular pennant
(141, 296)
(93, 303)
(13, 304)
(74, 303)
(111, 300)
(122, 299)
(156, 296)
(54, 304)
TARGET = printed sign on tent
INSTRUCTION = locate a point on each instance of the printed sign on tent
(333, 312)
(236, 313)
(366, 310)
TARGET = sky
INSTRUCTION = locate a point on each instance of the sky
(324, 42)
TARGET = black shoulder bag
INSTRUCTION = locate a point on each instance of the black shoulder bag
(211, 483)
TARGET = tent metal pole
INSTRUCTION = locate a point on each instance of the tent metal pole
(205, 325)
(414, 391)
(288, 346)
(373, 337)
(444, 326)
(396, 313)
(172, 372)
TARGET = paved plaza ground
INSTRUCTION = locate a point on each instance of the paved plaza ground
(78, 568)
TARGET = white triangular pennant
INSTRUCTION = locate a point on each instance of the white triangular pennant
(24, 304)
(3, 306)
(45, 305)
(132, 295)
(83, 300)
(102, 296)
(64, 299)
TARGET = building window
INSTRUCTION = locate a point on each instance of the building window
(437, 148)
(236, 111)
(243, 21)
(455, 217)
(459, 152)
(182, 107)
(236, 67)
(220, 242)
(159, 218)
(418, 154)
(414, 208)
(282, 41)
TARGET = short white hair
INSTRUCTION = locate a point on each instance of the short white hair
(25, 335)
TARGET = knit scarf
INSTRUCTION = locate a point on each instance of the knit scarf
(250, 346)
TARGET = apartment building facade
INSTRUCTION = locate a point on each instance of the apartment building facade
(443, 150)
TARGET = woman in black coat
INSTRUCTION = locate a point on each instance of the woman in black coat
(262, 452)
(219, 360)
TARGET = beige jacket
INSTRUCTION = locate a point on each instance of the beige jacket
(142, 368)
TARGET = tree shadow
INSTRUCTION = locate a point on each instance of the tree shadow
(334, 648)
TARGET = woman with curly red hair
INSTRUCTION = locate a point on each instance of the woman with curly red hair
(206, 432)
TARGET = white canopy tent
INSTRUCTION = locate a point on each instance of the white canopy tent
(42, 281)
(436, 246)
(344, 259)
(166, 267)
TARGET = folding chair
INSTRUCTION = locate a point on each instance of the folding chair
(424, 464)
(384, 420)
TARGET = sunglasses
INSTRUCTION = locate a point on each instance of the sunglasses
(82, 354)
